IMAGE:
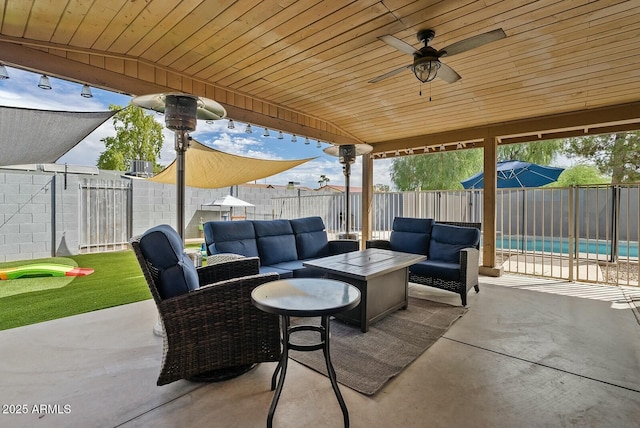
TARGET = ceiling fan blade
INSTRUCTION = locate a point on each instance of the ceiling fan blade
(389, 74)
(473, 42)
(398, 44)
(447, 73)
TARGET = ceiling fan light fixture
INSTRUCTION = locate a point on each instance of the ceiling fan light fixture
(425, 69)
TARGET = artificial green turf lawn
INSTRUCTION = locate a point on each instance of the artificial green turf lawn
(116, 280)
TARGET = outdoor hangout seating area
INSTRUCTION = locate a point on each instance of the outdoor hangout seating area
(330, 305)
(524, 352)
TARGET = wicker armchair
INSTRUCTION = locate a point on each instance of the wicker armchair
(212, 332)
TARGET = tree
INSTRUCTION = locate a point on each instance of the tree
(138, 137)
(435, 171)
(445, 170)
(615, 155)
(381, 188)
(540, 152)
(323, 180)
(577, 175)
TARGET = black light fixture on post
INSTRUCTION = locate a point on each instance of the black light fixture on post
(181, 112)
(346, 154)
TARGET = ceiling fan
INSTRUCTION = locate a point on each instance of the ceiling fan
(426, 60)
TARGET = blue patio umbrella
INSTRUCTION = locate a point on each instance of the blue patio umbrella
(516, 174)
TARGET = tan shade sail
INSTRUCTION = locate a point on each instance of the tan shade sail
(209, 168)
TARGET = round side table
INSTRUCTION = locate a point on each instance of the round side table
(305, 297)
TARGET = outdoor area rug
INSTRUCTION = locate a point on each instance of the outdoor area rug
(366, 361)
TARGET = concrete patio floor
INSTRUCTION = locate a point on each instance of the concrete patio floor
(528, 353)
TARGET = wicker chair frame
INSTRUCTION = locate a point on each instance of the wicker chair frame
(216, 327)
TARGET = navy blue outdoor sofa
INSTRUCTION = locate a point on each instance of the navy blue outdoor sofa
(281, 245)
(452, 248)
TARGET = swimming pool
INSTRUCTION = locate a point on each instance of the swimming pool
(561, 245)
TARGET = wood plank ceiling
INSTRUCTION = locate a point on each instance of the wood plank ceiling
(303, 66)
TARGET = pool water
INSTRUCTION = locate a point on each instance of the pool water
(561, 245)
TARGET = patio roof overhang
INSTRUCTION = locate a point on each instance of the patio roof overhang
(564, 69)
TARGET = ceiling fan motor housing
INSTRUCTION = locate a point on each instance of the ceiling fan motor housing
(425, 36)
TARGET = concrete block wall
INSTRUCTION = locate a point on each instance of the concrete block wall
(40, 212)
(25, 215)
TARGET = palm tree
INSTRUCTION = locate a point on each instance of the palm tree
(323, 180)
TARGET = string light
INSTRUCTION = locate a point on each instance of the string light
(86, 92)
(44, 83)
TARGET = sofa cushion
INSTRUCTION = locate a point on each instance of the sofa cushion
(299, 271)
(237, 237)
(411, 235)
(276, 241)
(311, 237)
(283, 273)
(162, 246)
(447, 241)
(437, 269)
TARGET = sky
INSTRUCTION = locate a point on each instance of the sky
(21, 90)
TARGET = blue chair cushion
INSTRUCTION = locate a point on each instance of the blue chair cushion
(276, 241)
(162, 246)
(437, 269)
(411, 235)
(237, 237)
(283, 273)
(447, 241)
(311, 237)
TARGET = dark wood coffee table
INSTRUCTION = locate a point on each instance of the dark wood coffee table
(382, 276)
